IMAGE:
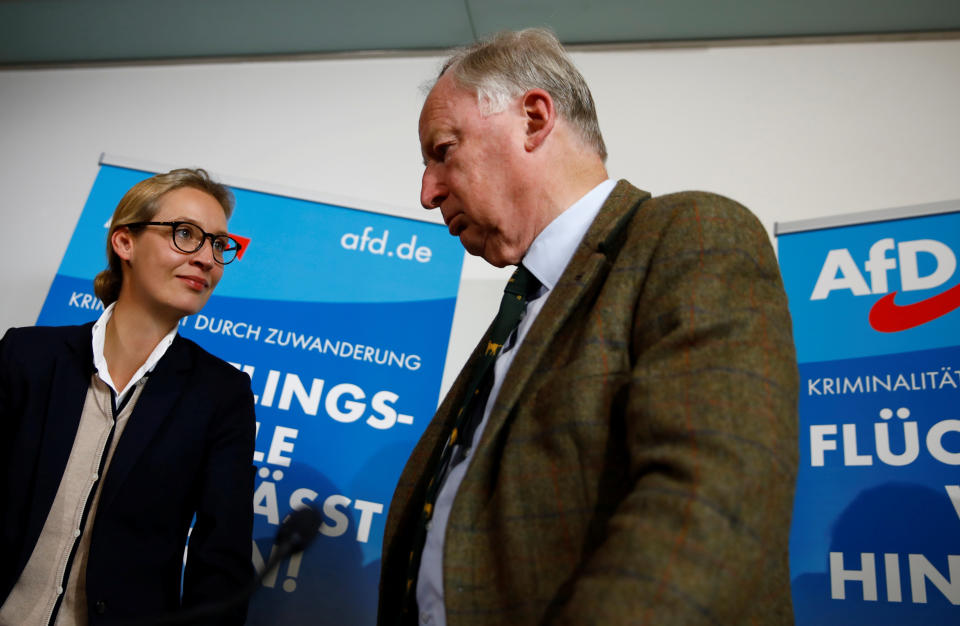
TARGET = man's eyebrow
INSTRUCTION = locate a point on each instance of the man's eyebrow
(426, 150)
(436, 137)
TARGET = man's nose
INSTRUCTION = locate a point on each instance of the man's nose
(432, 190)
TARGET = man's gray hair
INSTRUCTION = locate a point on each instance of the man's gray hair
(510, 63)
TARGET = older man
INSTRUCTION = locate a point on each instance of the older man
(627, 453)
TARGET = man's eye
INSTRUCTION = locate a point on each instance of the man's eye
(441, 151)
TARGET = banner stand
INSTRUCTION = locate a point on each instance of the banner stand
(875, 300)
(341, 316)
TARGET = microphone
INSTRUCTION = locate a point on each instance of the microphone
(297, 531)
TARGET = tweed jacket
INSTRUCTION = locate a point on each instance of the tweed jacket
(187, 450)
(638, 465)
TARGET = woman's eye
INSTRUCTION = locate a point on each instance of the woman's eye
(183, 233)
(219, 245)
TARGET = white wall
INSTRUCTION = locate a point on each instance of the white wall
(792, 131)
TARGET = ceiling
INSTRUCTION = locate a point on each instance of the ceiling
(65, 32)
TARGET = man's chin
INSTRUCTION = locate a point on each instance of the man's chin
(471, 245)
(494, 258)
(487, 250)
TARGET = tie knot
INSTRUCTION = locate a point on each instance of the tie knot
(522, 283)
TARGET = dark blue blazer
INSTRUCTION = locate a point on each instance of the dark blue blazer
(187, 450)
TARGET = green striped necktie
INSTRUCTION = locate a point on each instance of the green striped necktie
(520, 289)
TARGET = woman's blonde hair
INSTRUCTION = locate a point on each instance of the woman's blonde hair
(140, 204)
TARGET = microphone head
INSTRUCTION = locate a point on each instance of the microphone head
(298, 529)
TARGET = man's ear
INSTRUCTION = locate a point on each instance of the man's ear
(122, 242)
(540, 117)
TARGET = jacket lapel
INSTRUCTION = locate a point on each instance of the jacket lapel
(163, 388)
(418, 471)
(586, 270)
(71, 380)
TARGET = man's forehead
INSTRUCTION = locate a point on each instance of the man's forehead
(446, 103)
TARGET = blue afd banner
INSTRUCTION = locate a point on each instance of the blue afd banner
(341, 318)
(876, 521)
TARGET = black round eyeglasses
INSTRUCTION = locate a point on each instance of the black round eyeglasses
(188, 238)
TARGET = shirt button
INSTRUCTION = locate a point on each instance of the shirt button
(429, 525)
(76, 533)
(59, 590)
(96, 476)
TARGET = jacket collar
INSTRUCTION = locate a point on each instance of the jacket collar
(165, 385)
(589, 267)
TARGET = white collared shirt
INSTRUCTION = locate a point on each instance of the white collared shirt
(547, 258)
(100, 363)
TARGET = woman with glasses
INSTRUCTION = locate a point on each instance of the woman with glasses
(118, 433)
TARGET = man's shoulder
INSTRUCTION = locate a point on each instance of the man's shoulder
(702, 210)
(644, 227)
(697, 201)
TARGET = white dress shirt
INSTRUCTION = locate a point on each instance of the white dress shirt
(100, 363)
(546, 259)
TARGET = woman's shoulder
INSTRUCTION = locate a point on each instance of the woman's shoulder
(33, 350)
(51, 331)
(37, 338)
(208, 363)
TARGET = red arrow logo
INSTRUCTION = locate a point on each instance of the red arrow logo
(244, 244)
(887, 316)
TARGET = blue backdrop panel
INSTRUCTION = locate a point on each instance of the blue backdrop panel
(341, 318)
(876, 523)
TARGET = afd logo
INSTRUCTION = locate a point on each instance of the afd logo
(378, 245)
(841, 272)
